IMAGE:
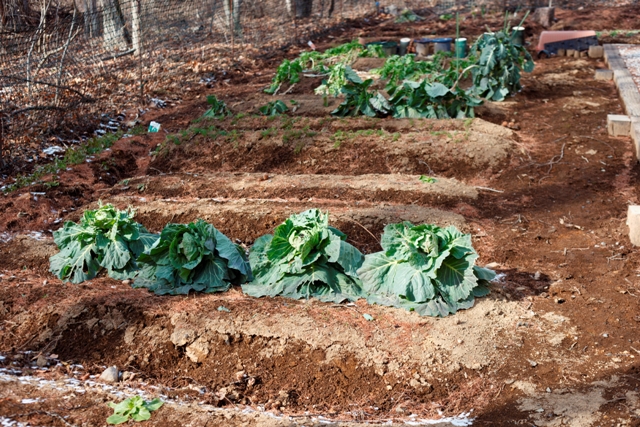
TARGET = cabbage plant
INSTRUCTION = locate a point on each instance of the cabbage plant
(305, 258)
(424, 268)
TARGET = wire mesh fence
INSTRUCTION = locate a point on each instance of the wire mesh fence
(63, 63)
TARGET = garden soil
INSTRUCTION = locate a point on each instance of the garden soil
(536, 180)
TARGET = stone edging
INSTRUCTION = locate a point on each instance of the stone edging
(627, 89)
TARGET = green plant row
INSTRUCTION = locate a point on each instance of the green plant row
(321, 62)
(422, 268)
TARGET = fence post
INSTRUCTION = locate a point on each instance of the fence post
(135, 27)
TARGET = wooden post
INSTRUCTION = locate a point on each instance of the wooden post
(135, 27)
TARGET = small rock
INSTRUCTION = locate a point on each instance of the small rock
(536, 276)
(389, 387)
(110, 375)
(240, 375)
(400, 410)
(559, 300)
(126, 282)
(616, 360)
(548, 390)
(605, 335)
(42, 361)
(492, 265)
(533, 363)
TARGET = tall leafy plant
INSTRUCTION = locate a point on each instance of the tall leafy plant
(305, 258)
(359, 100)
(193, 256)
(104, 238)
(290, 71)
(424, 268)
(499, 65)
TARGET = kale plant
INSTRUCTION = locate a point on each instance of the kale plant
(359, 100)
(497, 72)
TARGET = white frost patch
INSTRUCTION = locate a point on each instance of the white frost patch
(8, 422)
(461, 420)
(49, 151)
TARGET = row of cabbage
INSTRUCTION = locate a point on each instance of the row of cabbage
(423, 268)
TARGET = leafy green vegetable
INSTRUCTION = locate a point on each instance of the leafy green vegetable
(305, 258)
(336, 80)
(398, 68)
(194, 256)
(358, 99)
(135, 408)
(424, 268)
(431, 100)
(497, 74)
(288, 71)
(217, 110)
(274, 108)
(408, 15)
(428, 179)
(104, 238)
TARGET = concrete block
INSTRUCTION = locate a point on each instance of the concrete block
(582, 54)
(633, 222)
(603, 74)
(571, 52)
(562, 52)
(596, 51)
(618, 125)
(635, 135)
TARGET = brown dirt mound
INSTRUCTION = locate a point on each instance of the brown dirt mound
(395, 188)
(466, 149)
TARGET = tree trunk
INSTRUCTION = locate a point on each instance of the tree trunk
(116, 35)
(544, 16)
(232, 14)
(236, 16)
(89, 10)
(332, 6)
(303, 8)
(14, 14)
(290, 7)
